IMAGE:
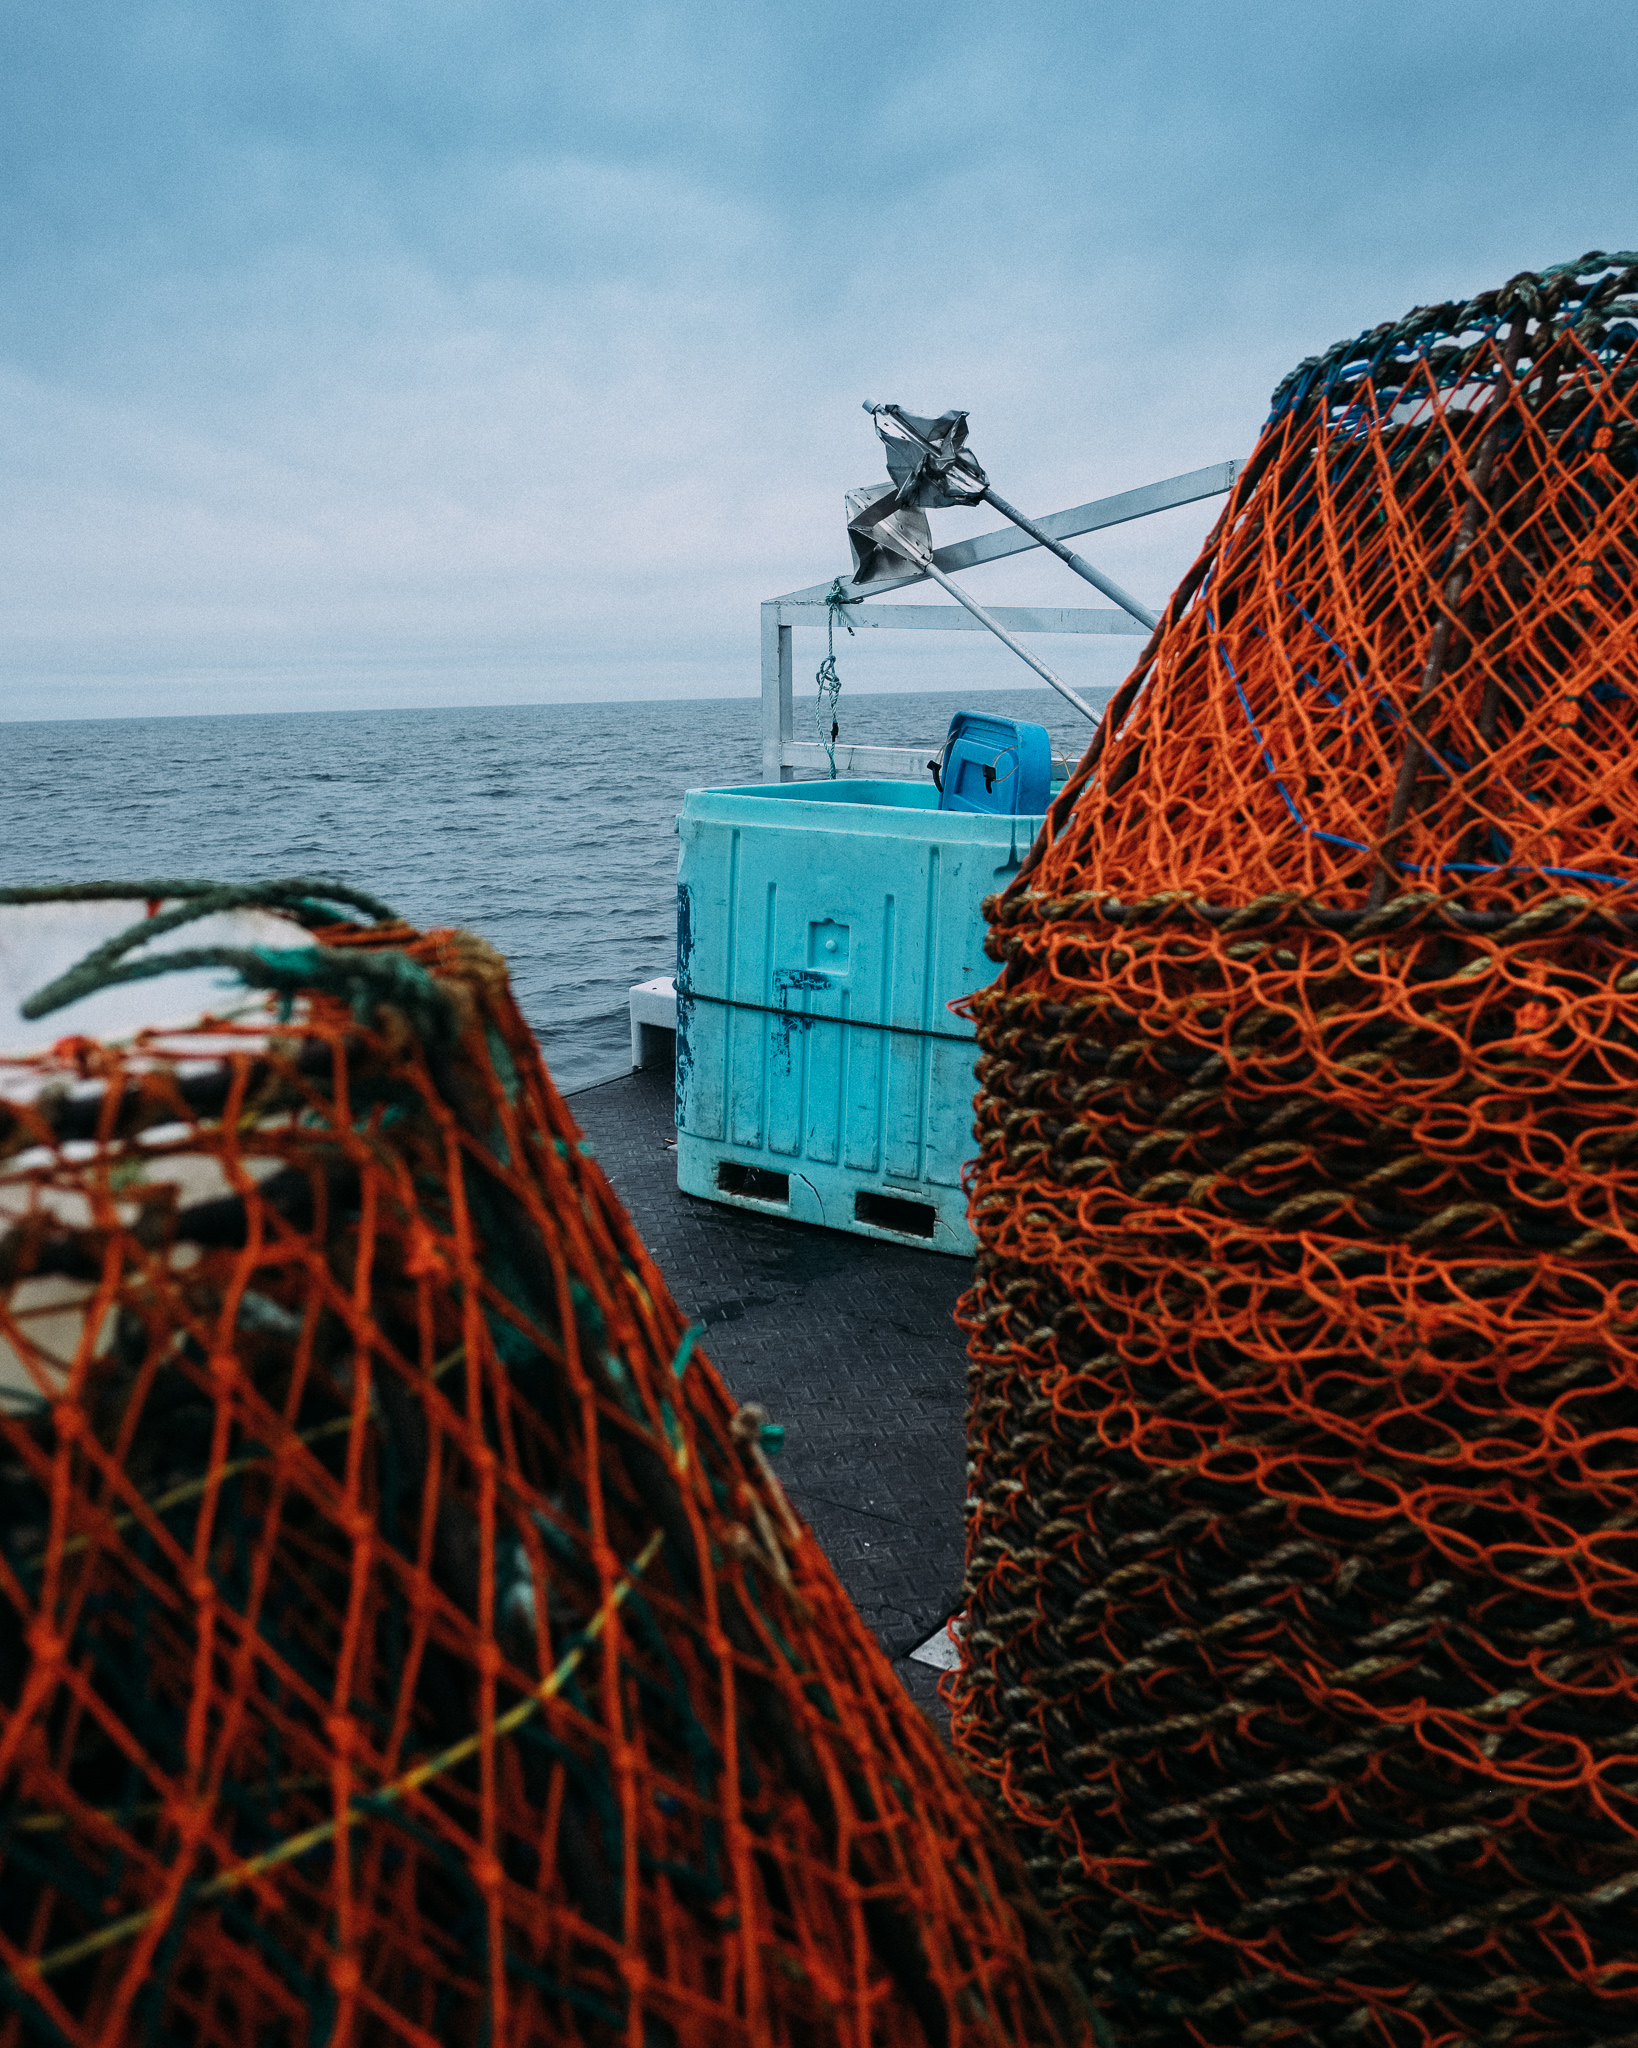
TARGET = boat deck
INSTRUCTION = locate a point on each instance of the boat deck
(848, 1341)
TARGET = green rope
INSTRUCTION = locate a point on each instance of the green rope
(685, 1350)
(830, 683)
(296, 895)
(363, 980)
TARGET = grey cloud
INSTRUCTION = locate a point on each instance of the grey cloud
(508, 348)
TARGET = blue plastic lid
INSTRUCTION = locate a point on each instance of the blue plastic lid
(999, 765)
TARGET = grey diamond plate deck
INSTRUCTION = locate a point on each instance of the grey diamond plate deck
(848, 1341)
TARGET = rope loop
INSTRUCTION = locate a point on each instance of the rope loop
(828, 681)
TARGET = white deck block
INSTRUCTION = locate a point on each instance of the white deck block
(941, 1650)
(653, 1010)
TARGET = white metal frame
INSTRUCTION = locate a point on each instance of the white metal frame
(782, 753)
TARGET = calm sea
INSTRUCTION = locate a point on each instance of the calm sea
(547, 828)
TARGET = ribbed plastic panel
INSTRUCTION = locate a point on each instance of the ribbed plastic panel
(823, 930)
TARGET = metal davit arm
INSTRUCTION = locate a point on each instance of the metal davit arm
(779, 746)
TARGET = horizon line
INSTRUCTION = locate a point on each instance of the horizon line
(540, 704)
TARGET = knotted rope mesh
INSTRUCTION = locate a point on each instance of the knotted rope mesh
(1302, 1648)
(403, 1637)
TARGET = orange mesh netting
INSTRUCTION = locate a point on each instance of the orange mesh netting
(402, 1636)
(1303, 1546)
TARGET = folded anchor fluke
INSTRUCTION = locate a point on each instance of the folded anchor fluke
(931, 467)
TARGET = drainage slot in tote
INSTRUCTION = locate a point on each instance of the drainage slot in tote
(755, 1181)
(887, 1212)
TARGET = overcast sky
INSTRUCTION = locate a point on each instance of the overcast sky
(479, 351)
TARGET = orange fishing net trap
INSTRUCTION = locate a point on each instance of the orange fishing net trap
(1303, 1546)
(403, 1637)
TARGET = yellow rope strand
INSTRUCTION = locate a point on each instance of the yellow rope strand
(191, 1487)
(312, 1838)
(48, 1823)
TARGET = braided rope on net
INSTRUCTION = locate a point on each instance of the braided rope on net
(1302, 1640)
(403, 1637)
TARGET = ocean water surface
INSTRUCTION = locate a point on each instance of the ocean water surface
(549, 829)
